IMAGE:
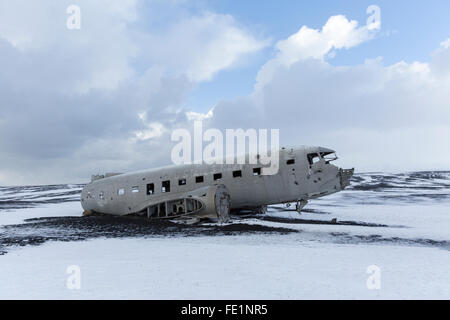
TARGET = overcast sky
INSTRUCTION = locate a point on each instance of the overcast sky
(106, 97)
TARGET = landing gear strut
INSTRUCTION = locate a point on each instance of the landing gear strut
(300, 205)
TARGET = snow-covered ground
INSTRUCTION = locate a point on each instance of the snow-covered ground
(398, 223)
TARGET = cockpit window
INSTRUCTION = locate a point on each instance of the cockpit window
(313, 158)
(328, 156)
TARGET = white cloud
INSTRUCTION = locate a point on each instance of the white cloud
(445, 44)
(224, 49)
(152, 129)
(94, 57)
(192, 115)
(337, 33)
(202, 45)
(441, 60)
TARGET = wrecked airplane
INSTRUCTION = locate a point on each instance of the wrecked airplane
(201, 191)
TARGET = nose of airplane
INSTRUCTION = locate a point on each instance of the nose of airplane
(345, 175)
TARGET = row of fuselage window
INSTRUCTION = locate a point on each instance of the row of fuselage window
(165, 185)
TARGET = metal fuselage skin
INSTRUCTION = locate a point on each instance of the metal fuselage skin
(297, 179)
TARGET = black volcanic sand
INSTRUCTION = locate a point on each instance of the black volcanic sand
(65, 229)
(345, 238)
(40, 230)
(309, 221)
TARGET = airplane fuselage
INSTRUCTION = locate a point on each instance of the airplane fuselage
(304, 173)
